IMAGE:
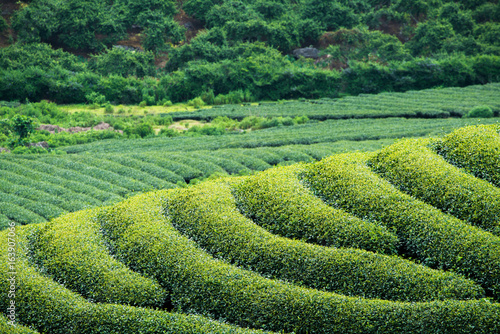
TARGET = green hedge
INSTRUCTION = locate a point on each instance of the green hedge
(208, 214)
(57, 189)
(476, 149)
(37, 195)
(185, 171)
(199, 283)
(418, 171)
(64, 167)
(19, 214)
(231, 166)
(45, 210)
(72, 251)
(436, 239)
(148, 181)
(251, 162)
(37, 169)
(50, 308)
(8, 328)
(151, 169)
(277, 201)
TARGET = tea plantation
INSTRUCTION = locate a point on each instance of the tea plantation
(36, 188)
(403, 239)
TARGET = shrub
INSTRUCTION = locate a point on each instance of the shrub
(3, 24)
(476, 149)
(44, 209)
(415, 169)
(277, 201)
(436, 239)
(141, 237)
(196, 102)
(108, 109)
(19, 214)
(72, 251)
(301, 119)
(51, 308)
(208, 214)
(142, 130)
(7, 327)
(480, 111)
(95, 98)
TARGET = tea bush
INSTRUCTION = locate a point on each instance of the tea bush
(476, 149)
(207, 213)
(277, 201)
(436, 239)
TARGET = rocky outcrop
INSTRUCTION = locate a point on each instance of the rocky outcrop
(306, 53)
(55, 128)
(4, 150)
(42, 144)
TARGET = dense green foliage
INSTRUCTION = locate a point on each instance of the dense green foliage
(329, 131)
(73, 253)
(431, 103)
(190, 249)
(142, 237)
(415, 169)
(277, 201)
(208, 215)
(436, 239)
(50, 307)
(476, 149)
(7, 327)
(480, 111)
(35, 188)
(245, 48)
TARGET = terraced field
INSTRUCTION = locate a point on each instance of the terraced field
(329, 131)
(36, 188)
(405, 239)
(429, 103)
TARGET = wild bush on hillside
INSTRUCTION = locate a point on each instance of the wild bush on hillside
(480, 111)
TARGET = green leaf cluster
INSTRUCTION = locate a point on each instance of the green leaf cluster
(436, 239)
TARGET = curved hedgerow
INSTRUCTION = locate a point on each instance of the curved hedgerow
(266, 154)
(81, 200)
(277, 201)
(418, 171)
(37, 169)
(45, 210)
(436, 239)
(50, 308)
(199, 283)
(148, 181)
(230, 166)
(153, 170)
(28, 192)
(476, 149)
(206, 167)
(4, 221)
(208, 214)
(251, 162)
(8, 326)
(19, 214)
(185, 171)
(77, 171)
(72, 251)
